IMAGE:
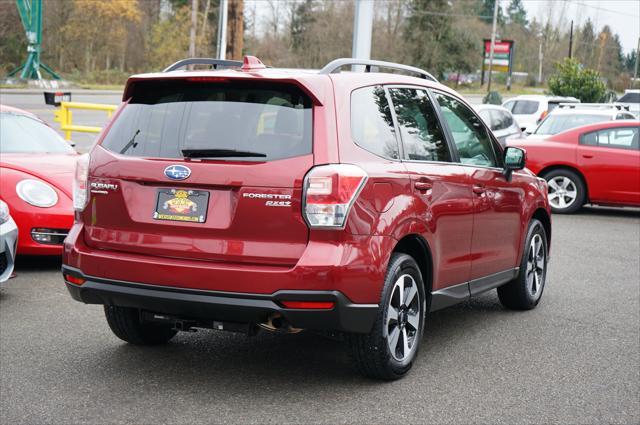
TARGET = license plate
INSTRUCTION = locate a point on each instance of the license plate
(182, 205)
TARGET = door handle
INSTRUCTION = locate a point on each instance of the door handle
(423, 185)
(584, 155)
(479, 189)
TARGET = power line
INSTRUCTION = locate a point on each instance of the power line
(605, 9)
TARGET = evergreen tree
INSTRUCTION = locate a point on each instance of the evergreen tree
(433, 42)
(484, 9)
(517, 13)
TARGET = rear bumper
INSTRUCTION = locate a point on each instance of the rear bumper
(355, 266)
(225, 306)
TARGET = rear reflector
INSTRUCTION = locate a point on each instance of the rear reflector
(74, 280)
(309, 305)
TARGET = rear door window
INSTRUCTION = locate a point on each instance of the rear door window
(420, 130)
(619, 138)
(163, 118)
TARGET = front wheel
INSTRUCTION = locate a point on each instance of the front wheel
(389, 350)
(524, 292)
(567, 193)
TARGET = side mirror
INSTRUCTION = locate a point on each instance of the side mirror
(514, 159)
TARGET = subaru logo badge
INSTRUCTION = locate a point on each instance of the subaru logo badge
(177, 172)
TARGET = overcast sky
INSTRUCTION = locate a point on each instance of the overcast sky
(623, 16)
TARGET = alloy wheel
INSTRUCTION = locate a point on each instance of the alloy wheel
(536, 264)
(403, 318)
(562, 192)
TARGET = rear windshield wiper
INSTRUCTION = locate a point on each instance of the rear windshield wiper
(220, 153)
(131, 143)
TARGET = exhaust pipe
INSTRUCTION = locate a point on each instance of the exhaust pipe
(276, 323)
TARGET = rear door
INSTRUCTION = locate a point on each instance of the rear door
(440, 188)
(204, 170)
(610, 161)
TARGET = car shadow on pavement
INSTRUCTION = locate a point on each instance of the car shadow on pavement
(609, 212)
(37, 263)
(215, 359)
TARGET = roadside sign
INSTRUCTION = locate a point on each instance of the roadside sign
(502, 57)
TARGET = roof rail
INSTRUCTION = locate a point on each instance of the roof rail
(620, 107)
(335, 65)
(203, 61)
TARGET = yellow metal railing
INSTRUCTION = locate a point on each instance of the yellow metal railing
(64, 116)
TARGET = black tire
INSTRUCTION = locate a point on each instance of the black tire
(371, 352)
(517, 294)
(576, 181)
(125, 323)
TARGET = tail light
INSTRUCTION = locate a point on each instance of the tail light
(329, 193)
(543, 115)
(80, 184)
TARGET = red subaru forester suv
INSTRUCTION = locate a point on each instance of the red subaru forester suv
(245, 197)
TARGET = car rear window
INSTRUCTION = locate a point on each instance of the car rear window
(555, 124)
(525, 107)
(163, 118)
(630, 98)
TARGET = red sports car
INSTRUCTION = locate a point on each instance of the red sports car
(36, 173)
(597, 164)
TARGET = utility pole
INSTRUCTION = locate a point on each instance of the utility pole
(540, 58)
(493, 41)
(236, 29)
(362, 27)
(222, 31)
(635, 73)
(194, 26)
(571, 41)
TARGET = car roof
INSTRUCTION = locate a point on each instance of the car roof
(486, 106)
(541, 97)
(16, 111)
(586, 111)
(313, 82)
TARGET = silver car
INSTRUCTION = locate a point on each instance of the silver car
(500, 121)
(8, 242)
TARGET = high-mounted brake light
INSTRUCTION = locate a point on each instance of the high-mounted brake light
(329, 193)
(80, 184)
(207, 80)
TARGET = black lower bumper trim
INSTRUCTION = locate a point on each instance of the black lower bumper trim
(226, 306)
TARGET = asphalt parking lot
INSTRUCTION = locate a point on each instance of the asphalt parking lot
(575, 359)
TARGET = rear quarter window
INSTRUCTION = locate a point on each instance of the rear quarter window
(165, 117)
(371, 124)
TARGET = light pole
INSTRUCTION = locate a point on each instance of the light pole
(493, 41)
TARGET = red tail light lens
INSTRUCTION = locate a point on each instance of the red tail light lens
(329, 193)
(74, 280)
(543, 115)
(309, 305)
(80, 184)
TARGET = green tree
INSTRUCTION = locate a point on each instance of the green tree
(484, 9)
(517, 13)
(572, 79)
(302, 17)
(433, 42)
